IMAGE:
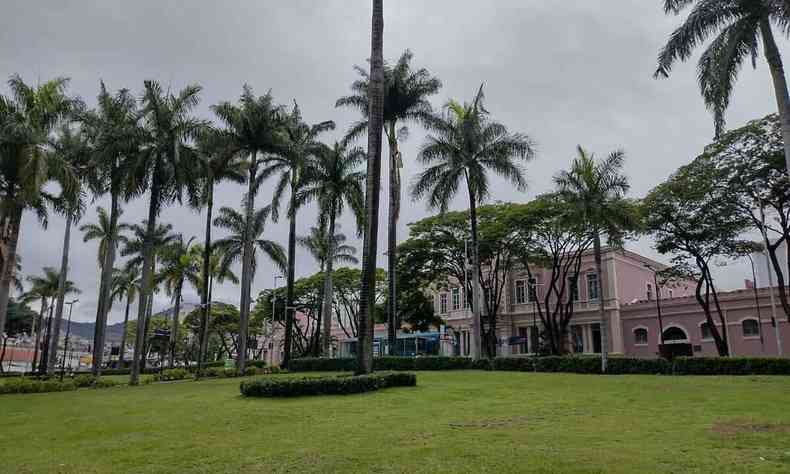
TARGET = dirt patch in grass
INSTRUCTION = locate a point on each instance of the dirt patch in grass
(735, 427)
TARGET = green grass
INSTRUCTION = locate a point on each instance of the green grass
(451, 422)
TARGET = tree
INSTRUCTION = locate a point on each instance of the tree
(178, 266)
(246, 240)
(334, 181)
(115, 138)
(466, 145)
(103, 231)
(300, 145)
(406, 93)
(27, 118)
(166, 165)
(220, 163)
(596, 190)
(737, 27)
(693, 217)
(126, 284)
(252, 130)
(223, 329)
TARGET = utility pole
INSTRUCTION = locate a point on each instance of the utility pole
(66, 342)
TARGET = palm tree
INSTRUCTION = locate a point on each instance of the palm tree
(465, 145)
(115, 138)
(738, 27)
(406, 93)
(299, 147)
(216, 272)
(178, 266)
(220, 163)
(245, 240)
(252, 130)
(73, 150)
(372, 187)
(27, 118)
(333, 180)
(596, 190)
(166, 165)
(126, 284)
(103, 231)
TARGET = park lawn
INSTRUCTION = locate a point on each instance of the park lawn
(465, 421)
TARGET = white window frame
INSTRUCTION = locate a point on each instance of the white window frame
(443, 303)
(647, 331)
(455, 298)
(597, 287)
(750, 336)
(521, 297)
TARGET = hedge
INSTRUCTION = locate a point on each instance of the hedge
(568, 364)
(337, 385)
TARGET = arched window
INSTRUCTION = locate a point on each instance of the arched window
(750, 327)
(704, 330)
(640, 336)
(675, 334)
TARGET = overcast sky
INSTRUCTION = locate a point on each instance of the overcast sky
(565, 73)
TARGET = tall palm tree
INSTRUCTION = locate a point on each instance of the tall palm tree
(216, 272)
(246, 239)
(115, 138)
(126, 284)
(406, 93)
(72, 147)
(166, 166)
(737, 27)
(367, 289)
(27, 118)
(104, 232)
(219, 162)
(178, 266)
(466, 145)
(299, 147)
(252, 130)
(334, 181)
(596, 189)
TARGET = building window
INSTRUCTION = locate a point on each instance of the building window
(443, 303)
(640, 336)
(577, 334)
(649, 292)
(521, 291)
(573, 285)
(592, 287)
(456, 293)
(671, 295)
(524, 336)
(750, 327)
(533, 289)
(465, 338)
(704, 330)
(675, 334)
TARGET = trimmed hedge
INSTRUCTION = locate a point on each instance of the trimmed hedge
(338, 385)
(567, 364)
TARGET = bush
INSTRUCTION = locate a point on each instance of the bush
(102, 382)
(84, 380)
(258, 364)
(321, 364)
(338, 385)
(173, 374)
(730, 366)
(26, 385)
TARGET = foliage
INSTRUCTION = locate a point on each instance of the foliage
(19, 317)
(342, 385)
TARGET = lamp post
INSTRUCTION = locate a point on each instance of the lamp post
(66, 342)
(770, 282)
(658, 304)
(757, 303)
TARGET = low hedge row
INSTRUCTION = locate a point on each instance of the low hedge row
(569, 364)
(28, 385)
(337, 385)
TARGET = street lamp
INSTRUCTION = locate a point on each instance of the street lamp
(66, 342)
(658, 304)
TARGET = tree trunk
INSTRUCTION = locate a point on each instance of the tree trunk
(776, 67)
(205, 300)
(105, 287)
(246, 269)
(372, 189)
(601, 302)
(392, 239)
(326, 313)
(477, 348)
(146, 286)
(42, 366)
(174, 329)
(39, 330)
(64, 270)
(123, 335)
(9, 265)
(148, 316)
(289, 294)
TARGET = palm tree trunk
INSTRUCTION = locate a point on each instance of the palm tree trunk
(289, 293)
(205, 300)
(39, 330)
(104, 297)
(123, 335)
(372, 189)
(774, 60)
(392, 239)
(246, 271)
(9, 265)
(42, 366)
(64, 270)
(602, 302)
(174, 329)
(148, 317)
(326, 312)
(477, 346)
(146, 285)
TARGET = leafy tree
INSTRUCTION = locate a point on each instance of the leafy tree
(736, 26)
(465, 145)
(223, 327)
(596, 190)
(21, 318)
(406, 93)
(693, 216)
(125, 284)
(178, 266)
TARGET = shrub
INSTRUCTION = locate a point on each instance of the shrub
(26, 385)
(84, 380)
(321, 364)
(173, 374)
(338, 385)
(102, 382)
(730, 366)
(258, 364)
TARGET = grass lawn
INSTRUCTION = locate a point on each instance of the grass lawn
(451, 422)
